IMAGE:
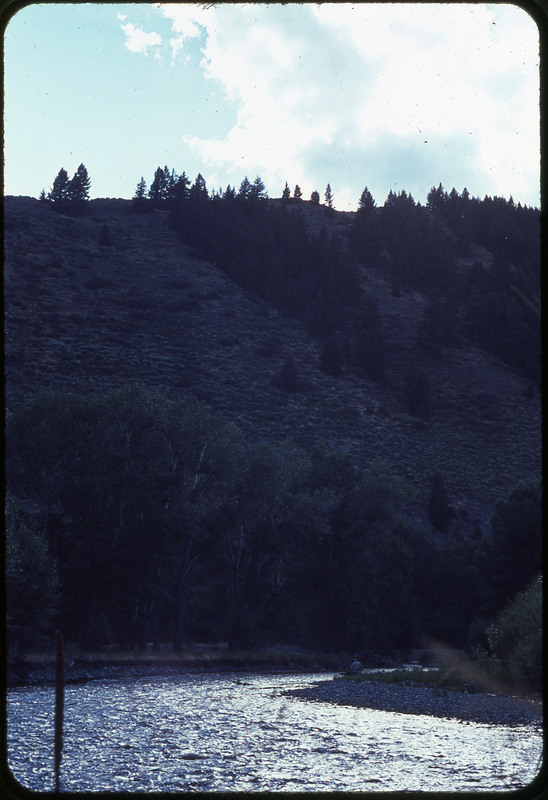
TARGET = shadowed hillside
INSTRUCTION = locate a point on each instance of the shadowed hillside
(113, 297)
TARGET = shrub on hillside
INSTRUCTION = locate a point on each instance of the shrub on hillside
(289, 376)
(440, 510)
(417, 392)
(331, 357)
(515, 639)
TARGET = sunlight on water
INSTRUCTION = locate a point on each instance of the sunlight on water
(234, 731)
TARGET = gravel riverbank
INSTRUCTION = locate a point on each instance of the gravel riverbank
(473, 707)
(81, 670)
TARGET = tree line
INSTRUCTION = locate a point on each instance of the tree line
(267, 247)
(167, 186)
(135, 517)
(492, 299)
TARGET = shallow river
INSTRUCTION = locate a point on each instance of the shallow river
(235, 731)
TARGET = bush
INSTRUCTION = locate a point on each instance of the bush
(331, 358)
(417, 392)
(369, 353)
(440, 511)
(289, 376)
(105, 238)
(515, 639)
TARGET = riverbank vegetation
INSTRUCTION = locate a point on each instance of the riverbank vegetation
(137, 518)
(413, 676)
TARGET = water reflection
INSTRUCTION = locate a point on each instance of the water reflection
(204, 732)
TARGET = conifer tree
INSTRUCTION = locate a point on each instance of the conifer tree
(229, 193)
(297, 193)
(182, 184)
(289, 376)
(198, 190)
(169, 184)
(59, 191)
(328, 196)
(140, 202)
(79, 185)
(105, 238)
(369, 353)
(439, 510)
(366, 203)
(258, 190)
(365, 236)
(141, 190)
(157, 191)
(331, 357)
(437, 199)
(315, 198)
(431, 329)
(417, 391)
(245, 190)
(286, 194)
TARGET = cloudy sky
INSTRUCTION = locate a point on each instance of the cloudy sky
(389, 96)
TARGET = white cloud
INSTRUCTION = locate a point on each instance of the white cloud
(188, 22)
(319, 88)
(138, 40)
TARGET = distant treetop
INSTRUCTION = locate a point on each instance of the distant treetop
(366, 202)
(69, 196)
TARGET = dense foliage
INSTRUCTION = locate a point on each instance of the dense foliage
(514, 650)
(134, 517)
(515, 546)
(491, 299)
(31, 579)
(265, 247)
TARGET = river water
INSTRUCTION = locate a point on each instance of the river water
(237, 731)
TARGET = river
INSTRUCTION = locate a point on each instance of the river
(237, 731)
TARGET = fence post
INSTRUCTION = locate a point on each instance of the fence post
(59, 706)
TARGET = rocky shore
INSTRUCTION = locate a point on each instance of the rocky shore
(434, 701)
(472, 707)
(79, 670)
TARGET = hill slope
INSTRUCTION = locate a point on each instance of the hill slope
(113, 297)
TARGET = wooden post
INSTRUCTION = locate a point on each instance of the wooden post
(59, 706)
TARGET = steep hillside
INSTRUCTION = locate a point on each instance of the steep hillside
(113, 297)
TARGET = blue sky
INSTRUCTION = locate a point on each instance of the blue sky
(392, 96)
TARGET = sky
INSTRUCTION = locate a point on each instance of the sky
(390, 96)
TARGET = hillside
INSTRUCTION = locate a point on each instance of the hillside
(114, 297)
